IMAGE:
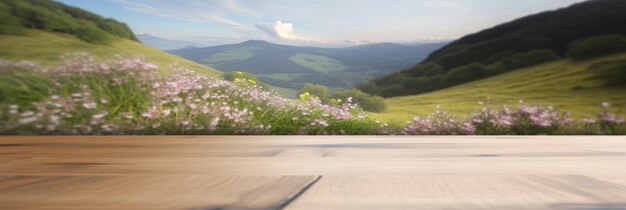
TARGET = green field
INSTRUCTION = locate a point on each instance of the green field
(566, 85)
(46, 48)
(282, 76)
(240, 54)
(318, 63)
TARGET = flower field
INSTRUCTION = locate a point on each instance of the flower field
(128, 96)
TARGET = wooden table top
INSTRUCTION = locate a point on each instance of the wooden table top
(313, 173)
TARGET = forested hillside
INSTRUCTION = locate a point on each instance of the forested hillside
(524, 42)
(15, 16)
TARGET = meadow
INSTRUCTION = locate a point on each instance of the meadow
(45, 48)
(131, 95)
(569, 86)
(53, 83)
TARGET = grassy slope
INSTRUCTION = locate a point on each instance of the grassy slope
(46, 47)
(564, 84)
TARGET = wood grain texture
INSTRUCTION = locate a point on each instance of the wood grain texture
(162, 172)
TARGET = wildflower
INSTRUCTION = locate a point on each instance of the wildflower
(90, 105)
(98, 116)
(214, 122)
(27, 120)
(304, 96)
(27, 114)
(606, 105)
(612, 118)
(55, 119)
(540, 121)
(589, 120)
(107, 128)
(127, 115)
(13, 109)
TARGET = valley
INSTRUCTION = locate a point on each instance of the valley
(291, 67)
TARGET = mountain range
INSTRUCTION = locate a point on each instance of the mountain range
(164, 44)
(293, 66)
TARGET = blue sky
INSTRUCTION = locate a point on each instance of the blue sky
(314, 22)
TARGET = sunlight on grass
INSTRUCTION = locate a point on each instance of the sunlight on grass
(566, 85)
(46, 47)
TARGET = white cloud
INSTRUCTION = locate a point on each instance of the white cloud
(284, 31)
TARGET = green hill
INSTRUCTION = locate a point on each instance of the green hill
(47, 47)
(57, 17)
(524, 42)
(291, 67)
(567, 85)
(43, 31)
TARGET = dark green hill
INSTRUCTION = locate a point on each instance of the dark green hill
(520, 43)
(17, 15)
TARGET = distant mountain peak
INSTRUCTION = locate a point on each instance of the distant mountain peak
(257, 42)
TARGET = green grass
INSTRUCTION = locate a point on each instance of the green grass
(284, 92)
(566, 85)
(318, 63)
(230, 56)
(46, 48)
(282, 76)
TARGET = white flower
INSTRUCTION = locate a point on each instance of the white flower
(156, 125)
(27, 114)
(90, 105)
(99, 116)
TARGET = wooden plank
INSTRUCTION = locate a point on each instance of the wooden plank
(536, 192)
(270, 172)
(149, 192)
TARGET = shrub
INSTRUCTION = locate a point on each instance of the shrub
(613, 72)
(464, 74)
(429, 69)
(369, 87)
(92, 34)
(318, 91)
(532, 58)
(9, 24)
(234, 75)
(365, 101)
(393, 90)
(597, 46)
